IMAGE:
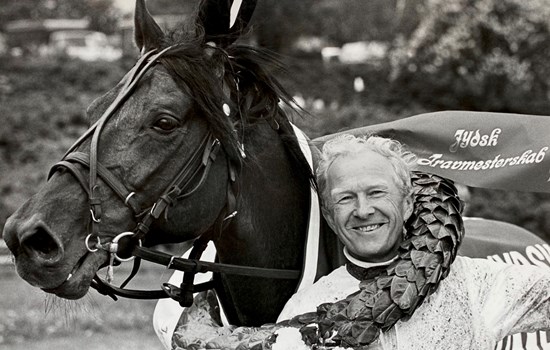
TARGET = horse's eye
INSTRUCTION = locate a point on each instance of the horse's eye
(165, 124)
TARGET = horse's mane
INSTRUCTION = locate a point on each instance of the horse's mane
(240, 76)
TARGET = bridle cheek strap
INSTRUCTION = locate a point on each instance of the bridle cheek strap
(184, 294)
(201, 160)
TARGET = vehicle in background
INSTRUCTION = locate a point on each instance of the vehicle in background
(85, 45)
(363, 52)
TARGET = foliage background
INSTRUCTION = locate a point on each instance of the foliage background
(484, 55)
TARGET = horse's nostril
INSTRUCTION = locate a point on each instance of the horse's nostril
(42, 243)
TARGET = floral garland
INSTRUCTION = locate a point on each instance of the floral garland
(386, 294)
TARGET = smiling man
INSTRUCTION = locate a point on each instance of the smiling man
(366, 202)
(367, 196)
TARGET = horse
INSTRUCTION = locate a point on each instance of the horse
(191, 145)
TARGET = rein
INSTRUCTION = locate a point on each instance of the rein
(189, 179)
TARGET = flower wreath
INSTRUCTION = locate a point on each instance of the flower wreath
(388, 293)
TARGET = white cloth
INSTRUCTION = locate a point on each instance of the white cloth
(168, 311)
(478, 304)
(311, 253)
(366, 264)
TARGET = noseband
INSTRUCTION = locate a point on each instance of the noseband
(189, 179)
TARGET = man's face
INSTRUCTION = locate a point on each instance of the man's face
(367, 209)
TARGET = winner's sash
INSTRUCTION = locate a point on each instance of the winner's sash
(479, 149)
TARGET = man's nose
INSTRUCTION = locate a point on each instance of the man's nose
(364, 208)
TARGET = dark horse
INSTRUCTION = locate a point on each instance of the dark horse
(191, 136)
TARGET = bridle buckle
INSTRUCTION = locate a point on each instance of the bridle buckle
(96, 220)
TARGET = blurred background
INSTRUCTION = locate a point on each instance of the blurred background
(349, 63)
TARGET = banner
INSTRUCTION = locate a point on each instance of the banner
(479, 149)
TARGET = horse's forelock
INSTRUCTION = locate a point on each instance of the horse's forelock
(193, 71)
(198, 71)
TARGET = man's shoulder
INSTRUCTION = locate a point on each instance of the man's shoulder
(462, 264)
(338, 275)
(467, 271)
(483, 271)
(339, 283)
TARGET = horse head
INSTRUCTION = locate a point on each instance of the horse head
(190, 136)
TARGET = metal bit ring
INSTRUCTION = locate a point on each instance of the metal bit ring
(115, 241)
(87, 243)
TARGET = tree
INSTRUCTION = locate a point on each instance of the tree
(479, 55)
(171, 7)
(279, 23)
(356, 20)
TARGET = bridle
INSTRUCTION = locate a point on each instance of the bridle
(189, 179)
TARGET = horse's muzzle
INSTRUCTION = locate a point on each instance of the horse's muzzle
(35, 248)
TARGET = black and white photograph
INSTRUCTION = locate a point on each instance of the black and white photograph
(275, 174)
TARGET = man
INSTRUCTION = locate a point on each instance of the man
(367, 196)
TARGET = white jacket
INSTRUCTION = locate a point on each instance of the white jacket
(478, 304)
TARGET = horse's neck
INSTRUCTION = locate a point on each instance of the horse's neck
(268, 231)
(273, 204)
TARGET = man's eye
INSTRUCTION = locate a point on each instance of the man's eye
(344, 199)
(165, 124)
(377, 193)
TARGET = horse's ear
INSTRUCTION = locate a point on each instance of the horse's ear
(148, 34)
(225, 20)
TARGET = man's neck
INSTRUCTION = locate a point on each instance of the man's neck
(366, 264)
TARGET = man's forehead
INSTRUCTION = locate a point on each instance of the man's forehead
(367, 160)
(360, 170)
